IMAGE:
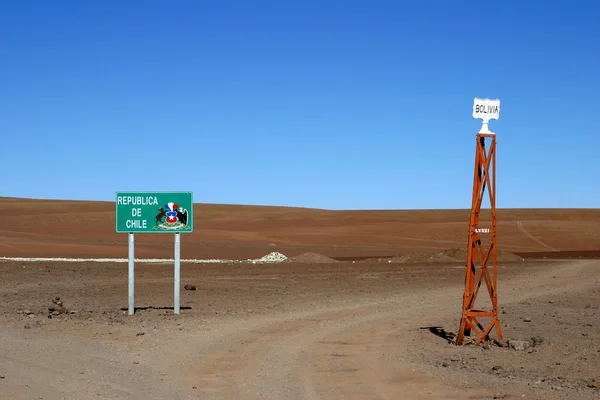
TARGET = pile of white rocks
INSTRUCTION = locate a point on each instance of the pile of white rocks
(272, 257)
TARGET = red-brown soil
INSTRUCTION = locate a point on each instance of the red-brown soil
(375, 323)
(293, 331)
(52, 228)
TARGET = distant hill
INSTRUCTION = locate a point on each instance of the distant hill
(67, 228)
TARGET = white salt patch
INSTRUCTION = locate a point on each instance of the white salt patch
(269, 258)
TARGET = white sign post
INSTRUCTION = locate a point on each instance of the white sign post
(131, 266)
(486, 110)
(177, 273)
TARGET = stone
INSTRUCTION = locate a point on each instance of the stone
(537, 340)
(518, 345)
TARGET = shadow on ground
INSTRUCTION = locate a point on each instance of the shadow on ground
(441, 332)
(136, 309)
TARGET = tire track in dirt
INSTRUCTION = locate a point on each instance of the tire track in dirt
(265, 361)
(530, 236)
(358, 351)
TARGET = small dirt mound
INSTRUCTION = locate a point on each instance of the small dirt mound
(411, 258)
(313, 258)
(460, 255)
(506, 256)
(401, 259)
(448, 256)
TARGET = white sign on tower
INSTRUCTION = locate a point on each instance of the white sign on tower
(485, 110)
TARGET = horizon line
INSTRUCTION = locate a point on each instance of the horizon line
(305, 208)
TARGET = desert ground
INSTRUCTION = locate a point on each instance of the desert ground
(362, 305)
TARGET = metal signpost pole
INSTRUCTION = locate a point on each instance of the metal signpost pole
(131, 273)
(176, 279)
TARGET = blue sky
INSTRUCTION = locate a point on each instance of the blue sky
(331, 104)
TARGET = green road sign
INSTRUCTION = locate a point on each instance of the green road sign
(154, 212)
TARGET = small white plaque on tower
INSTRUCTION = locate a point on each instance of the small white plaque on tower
(485, 110)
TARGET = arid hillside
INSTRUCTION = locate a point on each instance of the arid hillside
(52, 228)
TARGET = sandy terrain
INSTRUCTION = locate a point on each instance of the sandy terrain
(317, 326)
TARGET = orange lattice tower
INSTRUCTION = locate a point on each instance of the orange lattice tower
(478, 256)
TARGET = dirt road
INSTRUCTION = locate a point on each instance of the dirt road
(293, 331)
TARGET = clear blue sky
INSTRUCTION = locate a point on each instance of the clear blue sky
(331, 104)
